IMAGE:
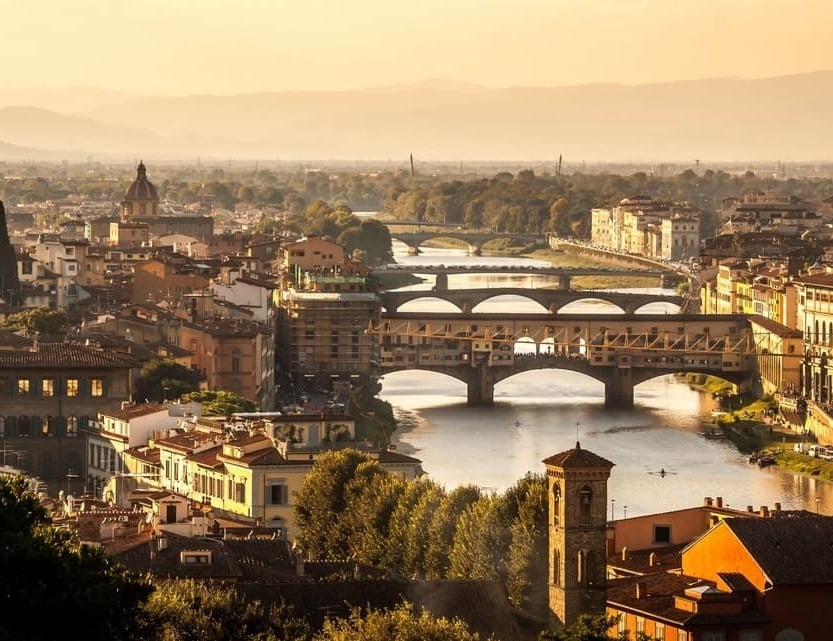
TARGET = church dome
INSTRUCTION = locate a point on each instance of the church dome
(141, 188)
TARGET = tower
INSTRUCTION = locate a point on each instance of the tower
(577, 489)
(140, 198)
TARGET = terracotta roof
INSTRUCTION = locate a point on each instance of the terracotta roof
(774, 327)
(166, 563)
(577, 457)
(792, 548)
(824, 280)
(658, 600)
(135, 411)
(65, 356)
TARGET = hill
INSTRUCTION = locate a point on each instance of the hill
(784, 118)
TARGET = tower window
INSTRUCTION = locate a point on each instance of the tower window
(585, 503)
(556, 504)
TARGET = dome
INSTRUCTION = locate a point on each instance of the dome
(141, 188)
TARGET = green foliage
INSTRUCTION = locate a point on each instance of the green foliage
(527, 560)
(442, 528)
(369, 516)
(40, 320)
(48, 580)
(220, 403)
(403, 623)
(322, 503)
(480, 543)
(187, 610)
(165, 379)
(589, 628)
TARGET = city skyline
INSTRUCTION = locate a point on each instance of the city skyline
(151, 47)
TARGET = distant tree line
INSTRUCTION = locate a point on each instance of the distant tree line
(520, 202)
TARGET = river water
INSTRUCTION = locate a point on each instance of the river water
(539, 413)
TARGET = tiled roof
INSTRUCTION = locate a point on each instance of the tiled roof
(794, 549)
(166, 563)
(774, 327)
(825, 280)
(65, 356)
(658, 600)
(135, 411)
(577, 457)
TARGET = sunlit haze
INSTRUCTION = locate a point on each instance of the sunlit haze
(223, 47)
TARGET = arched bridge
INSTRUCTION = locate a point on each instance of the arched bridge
(560, 275)
(619, 350)
(551, 300)
(475, 240)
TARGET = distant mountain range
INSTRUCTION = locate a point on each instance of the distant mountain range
(728, 119)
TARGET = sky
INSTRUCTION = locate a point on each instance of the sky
(182, 47)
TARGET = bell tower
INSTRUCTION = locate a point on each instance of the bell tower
(577, 488)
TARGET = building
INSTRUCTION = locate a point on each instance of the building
(50, 395)
(140, 197)
(577, 490)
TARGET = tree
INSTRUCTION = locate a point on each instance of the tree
(49, 580)
(480, 543)
(40, 320)
(163, 379)
(187, 610)
(402, 623)
(589, 628)
(9, 283)
(322, 504)
(441, 530)
(220, 403)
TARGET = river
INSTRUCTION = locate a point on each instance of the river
(539, 413)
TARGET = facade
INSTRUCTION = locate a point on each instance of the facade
(50, 395)
(577, 490)
(159, 279)
(647, 227)
(311, 254)
(815, 313)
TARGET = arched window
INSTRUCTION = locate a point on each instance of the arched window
(590, 564)
(585, 502)
(556, 503)
(556, 567)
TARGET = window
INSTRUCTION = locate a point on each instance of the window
(659, 630)
(72, 426)
(621, 624)
(750, 635)
(240, 492)
(96, 387)
(72, 387)
(662, 534)
(640, 625)
(48, 387)
(556, 567)
(2, 427)
(585, 502)
(23, 387)
(556, 503)
(682, 635)
(713, 635)
(48, 426)
(279, 494)
(195, 558)
(23, 426)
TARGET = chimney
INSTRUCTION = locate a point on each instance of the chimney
(750, 509)
(624, 554)
(652, 559)
(707, 501)
(777, 507)
(764, 511)
(641, 590)
(719, 501)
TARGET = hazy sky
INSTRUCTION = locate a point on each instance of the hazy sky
(232, 46)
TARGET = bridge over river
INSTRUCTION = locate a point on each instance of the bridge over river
(550, 299)
(620, 350)
(474, 240)
(560, 275)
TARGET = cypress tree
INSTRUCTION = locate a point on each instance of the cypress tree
(9, 283)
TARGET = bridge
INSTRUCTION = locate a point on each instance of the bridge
(562, 275)
(474, 240)
(621, 351)
(552, 300)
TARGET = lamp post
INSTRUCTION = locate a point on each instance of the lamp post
(612, 509)
(625, 508)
